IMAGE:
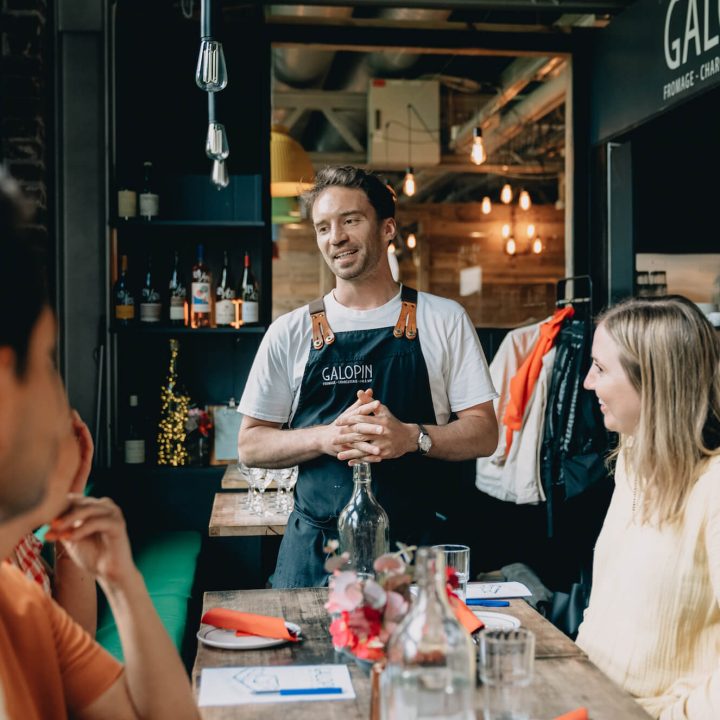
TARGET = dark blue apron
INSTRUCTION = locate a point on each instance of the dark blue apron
(390, 361)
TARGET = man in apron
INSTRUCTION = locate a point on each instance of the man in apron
(372, 372)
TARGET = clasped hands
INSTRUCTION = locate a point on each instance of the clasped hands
(368, 432)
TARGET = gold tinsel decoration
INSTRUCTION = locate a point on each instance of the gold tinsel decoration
(173, 415)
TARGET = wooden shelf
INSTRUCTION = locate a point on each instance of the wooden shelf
(152, 329)
(137, 224)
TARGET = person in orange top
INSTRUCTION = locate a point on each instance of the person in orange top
(49, 666)
(72, 588)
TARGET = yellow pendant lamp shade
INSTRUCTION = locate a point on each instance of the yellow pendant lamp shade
(291, 172)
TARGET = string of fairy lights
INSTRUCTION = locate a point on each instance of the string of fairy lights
(174, 406)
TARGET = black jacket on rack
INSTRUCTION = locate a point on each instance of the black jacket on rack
(573, 471)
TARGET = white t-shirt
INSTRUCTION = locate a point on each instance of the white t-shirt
(457, 369)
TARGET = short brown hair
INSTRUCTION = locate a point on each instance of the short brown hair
(379, 194)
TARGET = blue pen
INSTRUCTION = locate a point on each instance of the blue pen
(301, 691)
(487, 603)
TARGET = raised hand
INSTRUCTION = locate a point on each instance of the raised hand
(93, 532)
(373, 435)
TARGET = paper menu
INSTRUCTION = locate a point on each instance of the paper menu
(241, 685)
(496, 590)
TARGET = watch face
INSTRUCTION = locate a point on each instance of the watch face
(424, 443)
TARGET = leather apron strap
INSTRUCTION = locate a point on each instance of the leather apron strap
(406, 324)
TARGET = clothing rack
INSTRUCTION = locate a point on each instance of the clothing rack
(576, 297)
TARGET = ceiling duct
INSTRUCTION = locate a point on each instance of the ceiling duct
(300, 66)
(303, 67)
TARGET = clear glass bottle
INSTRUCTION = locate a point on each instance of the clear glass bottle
(363, 525)
(224, 296)
(430, 670)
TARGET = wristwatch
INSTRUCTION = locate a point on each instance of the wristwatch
(424, 441)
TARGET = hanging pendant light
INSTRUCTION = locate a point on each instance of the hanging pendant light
(411, 241)
(409, 179)
(409, 182)
(537, 246)
(524, 200)
(211, 71)
(478, 153)
(506, 231)
(506, 194)
(531, 230)
(220, 176)
(216, 144)
(511, 246)
(486, 206)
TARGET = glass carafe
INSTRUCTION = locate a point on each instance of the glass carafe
(363, 525)
(430, 670)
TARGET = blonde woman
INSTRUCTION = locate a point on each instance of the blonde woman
(653, 622)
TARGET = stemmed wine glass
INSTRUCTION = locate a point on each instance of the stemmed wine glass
(260, 479)
(285, 479)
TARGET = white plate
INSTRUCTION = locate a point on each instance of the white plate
(496, 620)
(228, 640)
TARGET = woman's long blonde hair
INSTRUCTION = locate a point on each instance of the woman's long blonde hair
(671, 355)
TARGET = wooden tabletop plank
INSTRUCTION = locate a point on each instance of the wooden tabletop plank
(230, 517)
(306, 608)
(564, 677)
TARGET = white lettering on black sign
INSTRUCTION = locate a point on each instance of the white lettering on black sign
(347, 374)
(692, 29)
(699, 35)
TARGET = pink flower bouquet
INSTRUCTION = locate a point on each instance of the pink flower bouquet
(366, 611)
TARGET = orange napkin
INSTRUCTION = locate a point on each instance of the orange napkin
(465, 615)
(248, 624)
(580, 713)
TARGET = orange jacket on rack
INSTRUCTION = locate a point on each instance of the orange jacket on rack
(521, 386)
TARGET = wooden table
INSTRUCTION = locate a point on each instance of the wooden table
(233, 479)
(231, 518)
(564, 677)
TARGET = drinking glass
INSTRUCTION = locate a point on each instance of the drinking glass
(260, 478)
(457, 557)
(244, 472)
(285, 479)
(505, 664)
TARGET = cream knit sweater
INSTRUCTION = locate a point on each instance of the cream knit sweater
(653, 623)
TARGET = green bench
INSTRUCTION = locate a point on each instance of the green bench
(167, 562)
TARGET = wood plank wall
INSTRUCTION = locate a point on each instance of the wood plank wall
(515, 290)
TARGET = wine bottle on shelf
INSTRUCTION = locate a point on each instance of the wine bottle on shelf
(150, 305)
(250, 295)
(124, 300)
(134, 445)
(177, 296)
(200, 308)
(224, 296)
(149, 199)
